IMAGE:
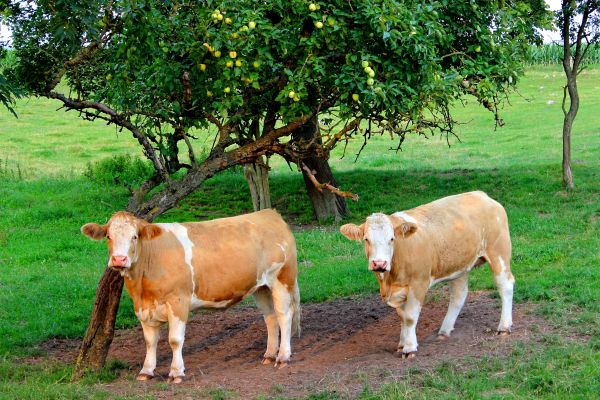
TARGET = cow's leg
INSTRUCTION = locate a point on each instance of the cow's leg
(264, 301)
(151, 335)
(459, 288)
(410, 311)
(176, 338)
(505, 282)
(282, 302)
(402, 330)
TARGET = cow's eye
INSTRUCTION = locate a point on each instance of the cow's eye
(392, 239)
(366, 240)
(134, 237)
(107, 237)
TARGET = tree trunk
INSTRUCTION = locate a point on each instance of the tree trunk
(100, 331)
(326, 205)
(257, 176)
(567, 174)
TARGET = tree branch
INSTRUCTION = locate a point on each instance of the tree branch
(320, 186)
(117, 119)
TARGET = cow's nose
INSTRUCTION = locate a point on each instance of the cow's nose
(118, 261)
(378, 265)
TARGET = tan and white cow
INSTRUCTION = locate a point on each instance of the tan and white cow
(411, 251)
(173, 268)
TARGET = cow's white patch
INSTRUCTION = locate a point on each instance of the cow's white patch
(505, 283)
(379, 232)
(282, 301)
(122, 233)
(459, 289)
(450, 277)
(405, 216)
(176, 339)
(196, 303)
(181, 234)
(411, 311)
(151, 335)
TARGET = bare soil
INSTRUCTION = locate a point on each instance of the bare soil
(344, 343)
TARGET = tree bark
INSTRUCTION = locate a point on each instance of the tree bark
(100, 331)
(326, 205)
(257, 176)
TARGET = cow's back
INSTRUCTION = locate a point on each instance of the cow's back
(231, 255)
(454, 231)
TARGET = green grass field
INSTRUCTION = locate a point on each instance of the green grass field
(50, 271)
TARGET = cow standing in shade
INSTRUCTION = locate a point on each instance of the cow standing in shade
(411, 251)
(173, 268)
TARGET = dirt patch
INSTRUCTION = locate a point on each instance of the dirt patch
(344, 343)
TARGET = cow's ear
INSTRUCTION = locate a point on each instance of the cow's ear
(353, 231)
(150, 231)
(94, 231)
(405, 229)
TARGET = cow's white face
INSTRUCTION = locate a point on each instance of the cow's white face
(379, 233)
(123, 233)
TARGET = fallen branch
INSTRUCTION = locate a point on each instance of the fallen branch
(320, 186)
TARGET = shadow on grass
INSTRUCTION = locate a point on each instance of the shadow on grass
(392, 190)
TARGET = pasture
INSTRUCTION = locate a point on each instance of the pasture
(50, 271)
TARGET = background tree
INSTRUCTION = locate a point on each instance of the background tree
(290, 78)
(577, 37)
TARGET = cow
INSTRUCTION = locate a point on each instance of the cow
(410, 251)
(171, 269)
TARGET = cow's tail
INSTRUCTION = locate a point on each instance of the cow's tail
(296, 310)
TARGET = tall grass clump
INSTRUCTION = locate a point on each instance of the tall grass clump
(549, 54)
(120, 170)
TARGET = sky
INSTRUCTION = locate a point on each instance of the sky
(549, 36)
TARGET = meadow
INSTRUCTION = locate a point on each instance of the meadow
(55, 175)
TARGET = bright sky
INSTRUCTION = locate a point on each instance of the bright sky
(549, 36)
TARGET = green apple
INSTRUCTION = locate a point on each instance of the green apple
(291, 94)
(227, 89)
(312, 7)
(229, 64)
(318, 25)
(256, 64)
(355, 97)
(217, 53)
(370, 81)
(202, 67)
(232, 54)
(238, 63)
(251, 24)
(364, 63)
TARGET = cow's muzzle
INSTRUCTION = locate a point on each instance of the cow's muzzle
(378, 265)
(119, 262)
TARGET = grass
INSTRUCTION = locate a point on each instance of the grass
(50, 271)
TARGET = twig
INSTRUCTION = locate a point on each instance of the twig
(320, 186)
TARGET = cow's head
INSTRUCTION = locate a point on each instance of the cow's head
(123, 232)
(379, 232)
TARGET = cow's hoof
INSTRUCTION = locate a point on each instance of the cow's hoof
(399, 349)
(408, 356)
(442, 337)
(144, 377)
(267, 360)
(281, 364)
(503, 333)
(175, 379)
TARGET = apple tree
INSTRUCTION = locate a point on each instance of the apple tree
(287, 78)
